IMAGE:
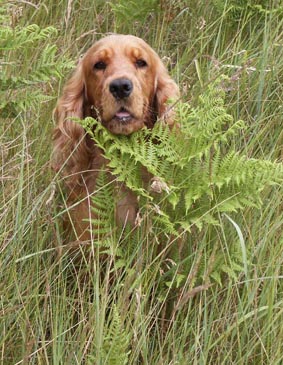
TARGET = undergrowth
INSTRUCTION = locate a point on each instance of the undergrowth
(197, 178)
(200, 279)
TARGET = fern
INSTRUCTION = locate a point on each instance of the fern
(23, 83)
(19, 38)
(131, 10)
(235, 9)
(116, 342)
(197, 164)
(196, 174)
(103, 213)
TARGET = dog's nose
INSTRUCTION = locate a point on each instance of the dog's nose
(121, 88)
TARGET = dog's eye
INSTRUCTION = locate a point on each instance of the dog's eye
(141, 63)
(100, 65)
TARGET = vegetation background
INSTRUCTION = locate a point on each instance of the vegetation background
(55, 310)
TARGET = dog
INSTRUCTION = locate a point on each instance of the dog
(121, 82)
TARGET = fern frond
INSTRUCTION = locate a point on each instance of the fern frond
(115, 350)
(21, 37)
(204, 176)
(23, 82)
(131, 10)
(103, 205)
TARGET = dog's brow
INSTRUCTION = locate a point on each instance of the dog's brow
(103, 53)
(136, 52)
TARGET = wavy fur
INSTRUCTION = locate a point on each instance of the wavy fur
(87, 93)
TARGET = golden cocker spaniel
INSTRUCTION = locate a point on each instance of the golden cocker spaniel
(121, 82)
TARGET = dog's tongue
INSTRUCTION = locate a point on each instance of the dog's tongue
(123, 114)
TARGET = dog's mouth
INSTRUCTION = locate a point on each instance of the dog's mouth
(124, 122)
(123, 116)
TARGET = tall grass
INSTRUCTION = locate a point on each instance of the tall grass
(55, 306)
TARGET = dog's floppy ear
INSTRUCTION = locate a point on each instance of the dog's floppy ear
(165, 90)
(70, 148)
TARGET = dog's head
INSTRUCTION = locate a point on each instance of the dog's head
(122, 82)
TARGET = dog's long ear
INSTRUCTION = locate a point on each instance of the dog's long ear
(71, 153)
(166, 90)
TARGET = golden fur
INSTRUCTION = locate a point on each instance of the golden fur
(88, 93)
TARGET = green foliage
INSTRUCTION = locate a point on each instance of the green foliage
(236, 8)
(57, 309)
(116, 341)
(128, 11)
(196, 172)
(104, 213)
(26, 72)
